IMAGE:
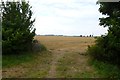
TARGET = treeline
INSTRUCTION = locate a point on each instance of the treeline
(66, 35)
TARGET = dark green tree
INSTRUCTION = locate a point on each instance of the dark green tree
(107, 47)
(17, 27)
(111, 42)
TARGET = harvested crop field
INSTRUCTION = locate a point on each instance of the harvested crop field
(65, 58)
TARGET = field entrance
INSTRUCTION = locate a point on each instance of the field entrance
(69, 55)
(65, 57)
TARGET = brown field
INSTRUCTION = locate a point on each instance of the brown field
(70, 43)
(65, 57)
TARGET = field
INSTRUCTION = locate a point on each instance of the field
(65, 57)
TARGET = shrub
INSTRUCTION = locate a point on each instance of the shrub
(38, 47)
(96, 52)
(103, 51)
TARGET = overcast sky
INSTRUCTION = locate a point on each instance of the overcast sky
(67, 17)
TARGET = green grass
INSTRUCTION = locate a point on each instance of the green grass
(16, 59)
(64, 66)
(98, 60)
(69, 67)
(105, 70)
(12, 60)
(40, 66)
(34, 65)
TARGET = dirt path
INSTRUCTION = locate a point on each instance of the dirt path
(65, 58)
(77, 57)
(57, 54)
(66, 49)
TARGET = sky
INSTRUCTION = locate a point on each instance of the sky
(67, 17)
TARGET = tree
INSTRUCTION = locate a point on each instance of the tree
(17, 27)
(109, 44)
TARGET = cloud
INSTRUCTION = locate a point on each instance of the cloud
(67, 17)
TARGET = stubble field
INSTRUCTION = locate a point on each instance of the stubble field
(65, 58)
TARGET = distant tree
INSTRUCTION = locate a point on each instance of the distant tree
(17, 27)
(80, 35)
(90, 36)
(109, 44)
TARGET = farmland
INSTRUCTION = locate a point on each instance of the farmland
(65, 57)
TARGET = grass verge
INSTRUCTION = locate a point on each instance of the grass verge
(12, 60)
(16, 59)
(105, 70)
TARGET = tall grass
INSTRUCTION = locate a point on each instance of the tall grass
(105, 70)
(12, 60)
(16, 59)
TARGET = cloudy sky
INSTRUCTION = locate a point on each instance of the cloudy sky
(67, 17)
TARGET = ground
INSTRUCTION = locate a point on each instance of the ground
(65, 57)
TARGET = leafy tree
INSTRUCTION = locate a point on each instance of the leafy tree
(17, 27)
(109, 44)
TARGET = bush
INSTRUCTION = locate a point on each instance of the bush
(96, 52)
(38, 47)
(104, 50)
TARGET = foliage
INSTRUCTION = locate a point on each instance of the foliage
(17, 27)
(38, 46)
(107, 47)
(96, 52)
(105, 70)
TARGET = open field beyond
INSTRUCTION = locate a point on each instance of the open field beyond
(65, 57)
